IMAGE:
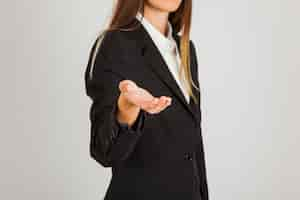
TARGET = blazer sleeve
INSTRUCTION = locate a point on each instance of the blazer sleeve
(200, 154)
(110, 141)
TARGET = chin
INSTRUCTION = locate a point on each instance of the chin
(165, 5)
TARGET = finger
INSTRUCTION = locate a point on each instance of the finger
(154, 103)
(127, 86)
(122, 85)
(127, 81)
(168, 100)
(161, 104)
(150, 105)
(166, 104)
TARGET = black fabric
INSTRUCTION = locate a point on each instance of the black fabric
(122, 127)
(161, 156)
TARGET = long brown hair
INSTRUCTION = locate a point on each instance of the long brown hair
(123, 16)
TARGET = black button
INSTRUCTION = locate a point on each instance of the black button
(188, 156)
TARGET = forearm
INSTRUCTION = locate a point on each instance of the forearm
(113, 142)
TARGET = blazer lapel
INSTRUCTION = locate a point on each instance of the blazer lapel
(156, 63)
(192, 105)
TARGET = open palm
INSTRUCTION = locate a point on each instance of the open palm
(143, 98)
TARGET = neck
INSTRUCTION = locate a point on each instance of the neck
(157, 18)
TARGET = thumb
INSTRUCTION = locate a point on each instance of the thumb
(127, 85)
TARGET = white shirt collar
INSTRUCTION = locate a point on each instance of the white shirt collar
(165, 43)
(167, 47)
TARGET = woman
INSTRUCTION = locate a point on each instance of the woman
(145, 117)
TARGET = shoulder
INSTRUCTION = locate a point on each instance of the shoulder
(111, 50)
(107, 47)
(111, 43)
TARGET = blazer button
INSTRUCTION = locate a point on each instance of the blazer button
(188, 156)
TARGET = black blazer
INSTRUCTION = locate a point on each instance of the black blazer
(161, 156)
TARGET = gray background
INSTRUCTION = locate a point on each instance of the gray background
(249, 63)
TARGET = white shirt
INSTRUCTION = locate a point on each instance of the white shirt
(168, 49)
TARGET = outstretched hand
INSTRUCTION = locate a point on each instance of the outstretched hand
(142, 98)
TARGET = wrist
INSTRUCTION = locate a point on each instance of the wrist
(127, 111)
